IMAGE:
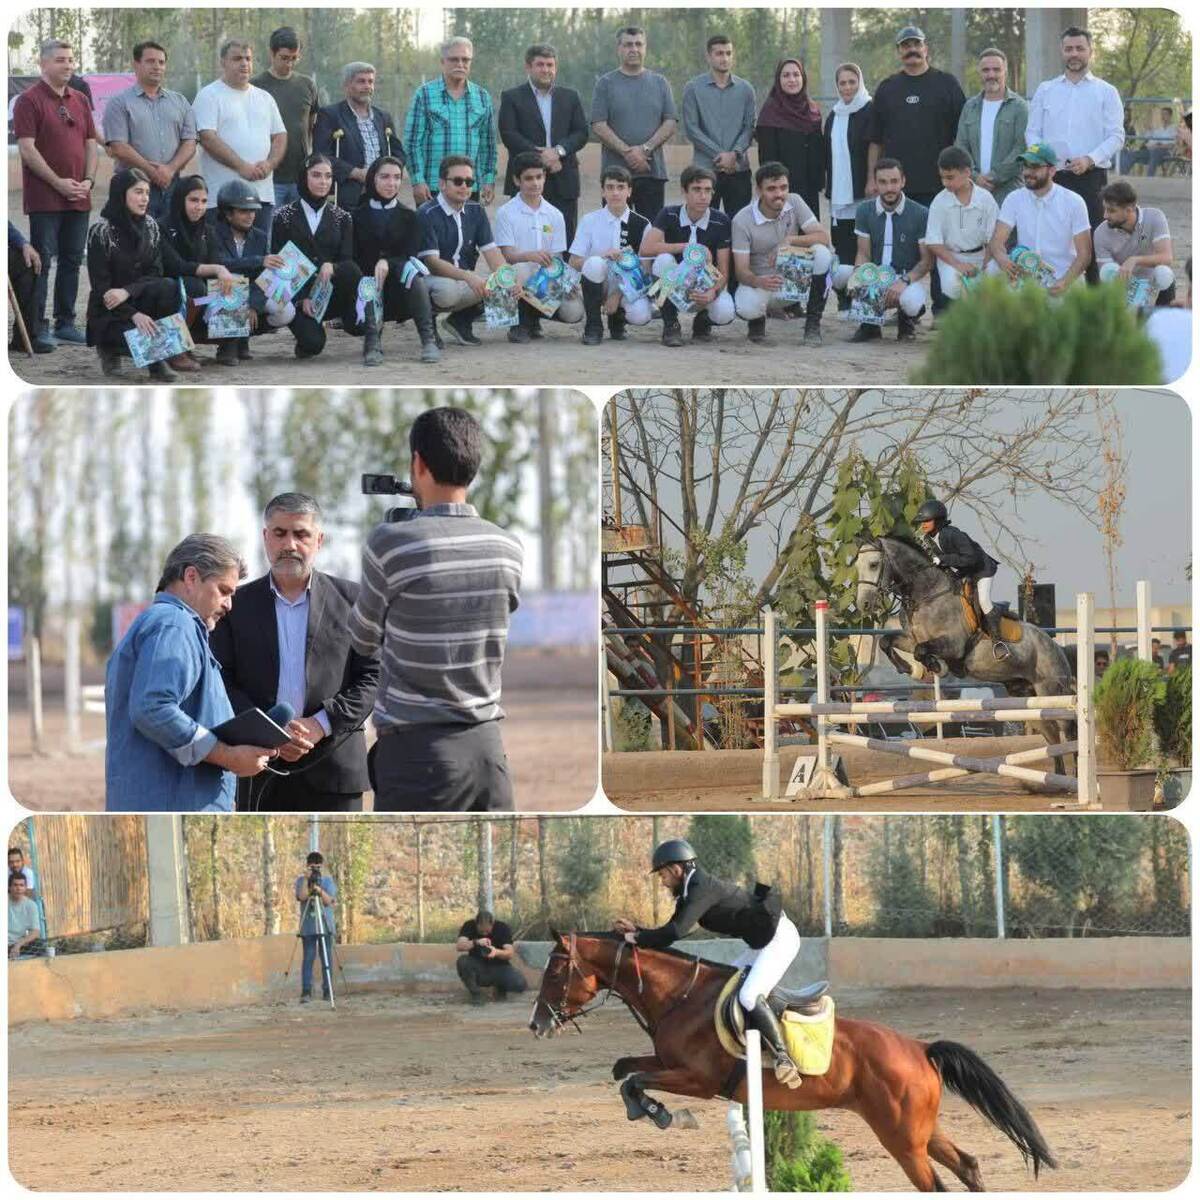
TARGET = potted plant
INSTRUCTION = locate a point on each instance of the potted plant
(1173, 724)
(1126, 698)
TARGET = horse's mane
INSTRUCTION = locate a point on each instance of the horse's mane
(608, 935)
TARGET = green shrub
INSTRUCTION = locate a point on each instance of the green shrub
(1173, 718)
(631, 727)
(1126, 699)
(1000, 335)
(800, 1158)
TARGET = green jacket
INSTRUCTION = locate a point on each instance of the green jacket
(1007, 142)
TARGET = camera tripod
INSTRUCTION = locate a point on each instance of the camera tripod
(315, 909)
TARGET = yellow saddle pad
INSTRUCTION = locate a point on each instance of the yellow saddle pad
(1010, 627)
(809, 1038)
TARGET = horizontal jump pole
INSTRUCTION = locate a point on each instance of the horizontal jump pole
(986, 766)
(946, 773)
(890, 716)
(965, 704)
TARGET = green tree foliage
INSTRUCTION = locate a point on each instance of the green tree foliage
(1127, 697)
(582, 867)
(800, 1158)
(1173, 718)
(724, 845)
(903, 904)
(1143, 51)
(1087, 868)
(1001, 335)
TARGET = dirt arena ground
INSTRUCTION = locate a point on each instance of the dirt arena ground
(717, 781)
(549, 733)
(730, 359)
(419, 1093)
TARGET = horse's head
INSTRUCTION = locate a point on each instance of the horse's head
(574, 976)
(871, 565)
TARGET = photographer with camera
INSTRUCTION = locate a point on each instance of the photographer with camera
(486, 951)
(437, 593)
(315, 893)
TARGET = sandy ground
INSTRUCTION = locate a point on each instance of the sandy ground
(560, 359)
(550, 734)
(716, 781)
(419, 1093)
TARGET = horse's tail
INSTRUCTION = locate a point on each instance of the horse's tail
(968, 1076)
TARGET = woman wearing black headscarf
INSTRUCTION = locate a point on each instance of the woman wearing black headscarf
(386, 236)
(325, 234)
(125, 269)
(189, 256)
(789, 132)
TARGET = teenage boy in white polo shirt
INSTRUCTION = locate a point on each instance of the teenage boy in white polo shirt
(602, 237)
(1047, 218)
(962, 219)
(531, 232)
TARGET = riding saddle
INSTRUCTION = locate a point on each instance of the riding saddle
(806, 1015)
(1010, 627)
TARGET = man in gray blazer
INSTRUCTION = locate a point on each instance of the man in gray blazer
(991, 128)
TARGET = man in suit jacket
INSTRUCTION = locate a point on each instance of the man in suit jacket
(286, 640)
(548, 120)
(354, 133)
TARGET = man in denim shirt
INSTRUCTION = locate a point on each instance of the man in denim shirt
(315, 884)
(163, 692)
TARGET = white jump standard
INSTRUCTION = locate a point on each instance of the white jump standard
(824, 783)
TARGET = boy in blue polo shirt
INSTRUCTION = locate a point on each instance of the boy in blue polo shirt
(675, 228)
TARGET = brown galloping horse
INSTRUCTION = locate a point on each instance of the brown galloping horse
(893, 1082)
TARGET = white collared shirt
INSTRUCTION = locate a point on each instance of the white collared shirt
(962, 227)
(887, 214)
(686, 222)
(599, 231)
(1048, 224)
(1077, 119)
(291, 629)
(543, 101)
(313, 217)
(527, 229)
(455, 214)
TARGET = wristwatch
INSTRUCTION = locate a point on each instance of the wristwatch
(647, 149)
(560, 152)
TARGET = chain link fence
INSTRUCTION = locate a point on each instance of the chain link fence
(417, 879)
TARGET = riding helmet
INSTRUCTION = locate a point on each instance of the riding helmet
(673, 850)
(932, 510)
(237, 193)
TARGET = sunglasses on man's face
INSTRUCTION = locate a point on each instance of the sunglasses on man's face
(66, 116)
(461, 180)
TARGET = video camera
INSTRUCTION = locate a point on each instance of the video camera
(389, 485)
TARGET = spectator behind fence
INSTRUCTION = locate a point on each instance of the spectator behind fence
(1181, 653)
(150, 127)
(448, 116)
(295, 96)
(485, 958)
(633, 115)
(57, 143)
(1159, 145)
(24, 923)
(354, 134)
(242, 135)
(17, 866)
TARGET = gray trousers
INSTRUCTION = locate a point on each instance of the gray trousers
(441, 768)
(479, 973)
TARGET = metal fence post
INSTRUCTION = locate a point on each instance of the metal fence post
(770, 781)
(1143, 620)
(998, 843)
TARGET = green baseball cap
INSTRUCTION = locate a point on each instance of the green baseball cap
(1039, 152)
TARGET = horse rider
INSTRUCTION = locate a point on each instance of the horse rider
(956, 552)
(720, 907)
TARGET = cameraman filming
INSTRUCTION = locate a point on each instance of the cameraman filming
(437, 593)
(314, 883)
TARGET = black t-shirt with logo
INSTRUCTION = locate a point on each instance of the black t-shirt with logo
(1181, 656)
(914, 118)
(500, 934)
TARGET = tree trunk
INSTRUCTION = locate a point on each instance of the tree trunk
(839, 899)
(270, 892)
(214, 876)
(543, 875)
(420, 829)
(655, 890)
(810, 882)
(964, 876)
(513, 847)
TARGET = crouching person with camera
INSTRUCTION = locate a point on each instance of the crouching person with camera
(315, 893)
(485, 958)
(437, 593)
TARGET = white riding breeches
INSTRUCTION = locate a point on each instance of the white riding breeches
(720, 311)
(637, 312)
(951, 280)
(983, 589)
(768, 965)
(570, 311)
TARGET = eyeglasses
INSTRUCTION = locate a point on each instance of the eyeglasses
(66, 116)
(460, 62)
(460, 180)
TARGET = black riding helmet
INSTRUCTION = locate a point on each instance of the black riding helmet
(237, 193)
(932, 510)
(673, 850)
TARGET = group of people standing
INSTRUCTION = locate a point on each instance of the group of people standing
(916, 177)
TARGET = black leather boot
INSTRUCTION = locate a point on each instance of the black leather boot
(764, 1020)
(593, 309)
(672, 333)
(372, 339)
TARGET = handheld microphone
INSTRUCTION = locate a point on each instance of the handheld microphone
(281, 713)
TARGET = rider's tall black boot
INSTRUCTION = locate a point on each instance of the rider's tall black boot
(761, 1017)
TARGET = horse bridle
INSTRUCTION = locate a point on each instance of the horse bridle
(560, 1016)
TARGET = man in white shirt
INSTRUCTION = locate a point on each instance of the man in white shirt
(962, 219)
(1081, 117)
(603, 237)
(531, 234)
(1047, 218)
(242, 135)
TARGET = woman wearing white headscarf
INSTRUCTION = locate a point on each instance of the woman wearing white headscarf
(846, 182)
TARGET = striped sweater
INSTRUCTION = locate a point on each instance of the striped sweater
(437, 592)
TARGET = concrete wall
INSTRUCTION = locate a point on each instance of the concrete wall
(231, 974)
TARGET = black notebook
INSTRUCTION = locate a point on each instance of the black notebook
(252, 728)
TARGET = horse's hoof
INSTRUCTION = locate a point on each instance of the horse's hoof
(685, 1120)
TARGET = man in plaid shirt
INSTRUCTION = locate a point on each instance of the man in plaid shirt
(448, 116)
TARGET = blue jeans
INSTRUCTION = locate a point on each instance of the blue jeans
(311, 957)
(160, 201)
(285, 193)
(60, 236)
